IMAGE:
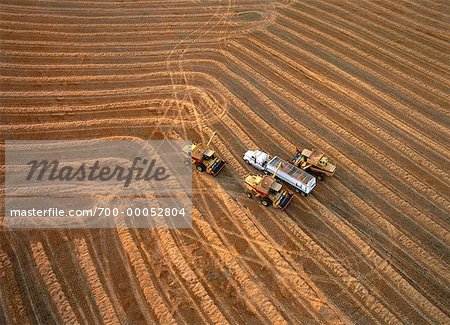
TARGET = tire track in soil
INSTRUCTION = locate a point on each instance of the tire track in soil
(263, 252)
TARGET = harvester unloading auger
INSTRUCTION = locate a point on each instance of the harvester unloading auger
(204, 158)
(268, 189)
(314, 162)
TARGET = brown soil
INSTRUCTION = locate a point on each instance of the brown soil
(365, 81)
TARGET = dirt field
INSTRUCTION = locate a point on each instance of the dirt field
(366, 81)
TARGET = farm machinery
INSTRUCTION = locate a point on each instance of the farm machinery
(302, 182)
(268, 189)
(204, 158)
(315, 162)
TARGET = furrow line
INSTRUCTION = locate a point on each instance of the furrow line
(378, 306)
(333, 85)
(12, 305)
(370, 43)
(319, 142)
(358, 28)
(383, 266)
(145, 281)
(421, 187)
(57, 294)
(313, 304)
(251, 289)
(371, 72)
(170, 249)
(102, 300)
(373, 16)
(352, 50)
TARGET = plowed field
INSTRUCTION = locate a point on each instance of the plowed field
(365, 81)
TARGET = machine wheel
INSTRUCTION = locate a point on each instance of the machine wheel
(249, 194)
(304, 194)
(265, 201)
(320, 177)
(247, 162)
(200, 167)
(297, 190)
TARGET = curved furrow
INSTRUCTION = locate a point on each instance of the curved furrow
(368, 246)
(113, 67)
(141, 76)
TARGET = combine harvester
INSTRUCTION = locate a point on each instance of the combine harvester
(314, 162)
(268, 189)
(299, 179)
(204, 158)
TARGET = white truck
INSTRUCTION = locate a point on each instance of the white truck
(299, 179)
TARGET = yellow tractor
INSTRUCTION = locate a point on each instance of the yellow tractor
(268, 189)
(314, 162)
(204, 158)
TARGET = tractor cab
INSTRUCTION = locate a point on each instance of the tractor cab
(204, 158)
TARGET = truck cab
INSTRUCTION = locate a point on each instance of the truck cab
(258, 159)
